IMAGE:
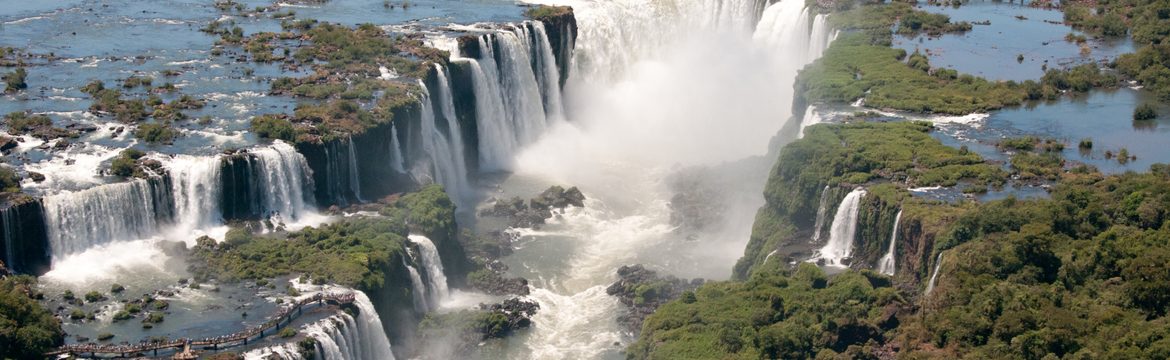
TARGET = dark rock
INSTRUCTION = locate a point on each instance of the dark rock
(538, 209)
(643, 291)
(492, 282)
(36, 176)
(8, 143)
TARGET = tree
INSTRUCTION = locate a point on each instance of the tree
(26, 329)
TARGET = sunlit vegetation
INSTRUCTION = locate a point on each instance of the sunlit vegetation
(157, 133)
(853, 68)
(9, 180)
(355, 252)
(842, 156)
(545, 12)
(1081, 275)
(27, 330)
(15, 80)
(131, 163)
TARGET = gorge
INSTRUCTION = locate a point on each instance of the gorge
(804, 163)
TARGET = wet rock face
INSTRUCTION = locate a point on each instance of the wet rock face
(643, 291)
(7, 143)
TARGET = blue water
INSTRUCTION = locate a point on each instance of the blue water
(990, 51)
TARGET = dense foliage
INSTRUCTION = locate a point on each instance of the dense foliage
(26, 329)
(9, 180)
(1081, 275)
(774, 315)
(842, 156)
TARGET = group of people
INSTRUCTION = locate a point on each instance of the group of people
(147, 345)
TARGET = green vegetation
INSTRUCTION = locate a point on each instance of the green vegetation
(853, 67)
(94, 296)
(355, 252)
(15, 80)
(26, 329)
(1144, 112)
(774, 315)
(1083, 274)
(273, 127)
(121, 315)
(287, 332)
(9, 180)
(136, 81)
(105, 336)
(20, 122)
(126, 164)
(157, 133)
(117, 288)
(110, 101)
(844, 156)
(546, 13)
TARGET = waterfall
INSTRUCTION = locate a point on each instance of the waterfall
(460, 184)
(286, 351)
(196, 187)
(342, 178)
(810, 118)
(10, 227)
(821, 37)
(419, 289)
(444, 154)
(843, 231)
(887, 263)
(396, 161)
(131, 210)
(517, 90)
(342, 337)
(437, 281)
(355, 184)
(283, 181)
(934, 275)
(822, 212)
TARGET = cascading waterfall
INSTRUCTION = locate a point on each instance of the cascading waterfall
(887, 263)
(810, 118)
(444, 162)
(355, 183)
(340, 337)
(843, 231)
(397, 162)
(934, 274)
(196, 187)
(283, 178)
(648, 77)
(419, 293)
(429, 257)
(517, 88)
(77, 221)
(822, 212)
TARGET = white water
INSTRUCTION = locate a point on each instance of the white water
(934, 274)
(419, 293)
(822, 212)
(657, 85)
(285, 182)
(429, 257)
(810, 118)
(196, 187)
(443, 162)
(80, 220)
(516, 84)
(397, 162)
(843, 231)
(338, 337)
(355, 183)
(887, 263)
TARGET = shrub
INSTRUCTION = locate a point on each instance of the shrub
(105, 336)
(273, 127)
(117, 288)
(77, 314)
(15, 80)
(19, 122)
(94, 296)
(126, 163)
(156, 133)
(1144, 112)
(121, 315)
(287, 332)
(9, 180)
